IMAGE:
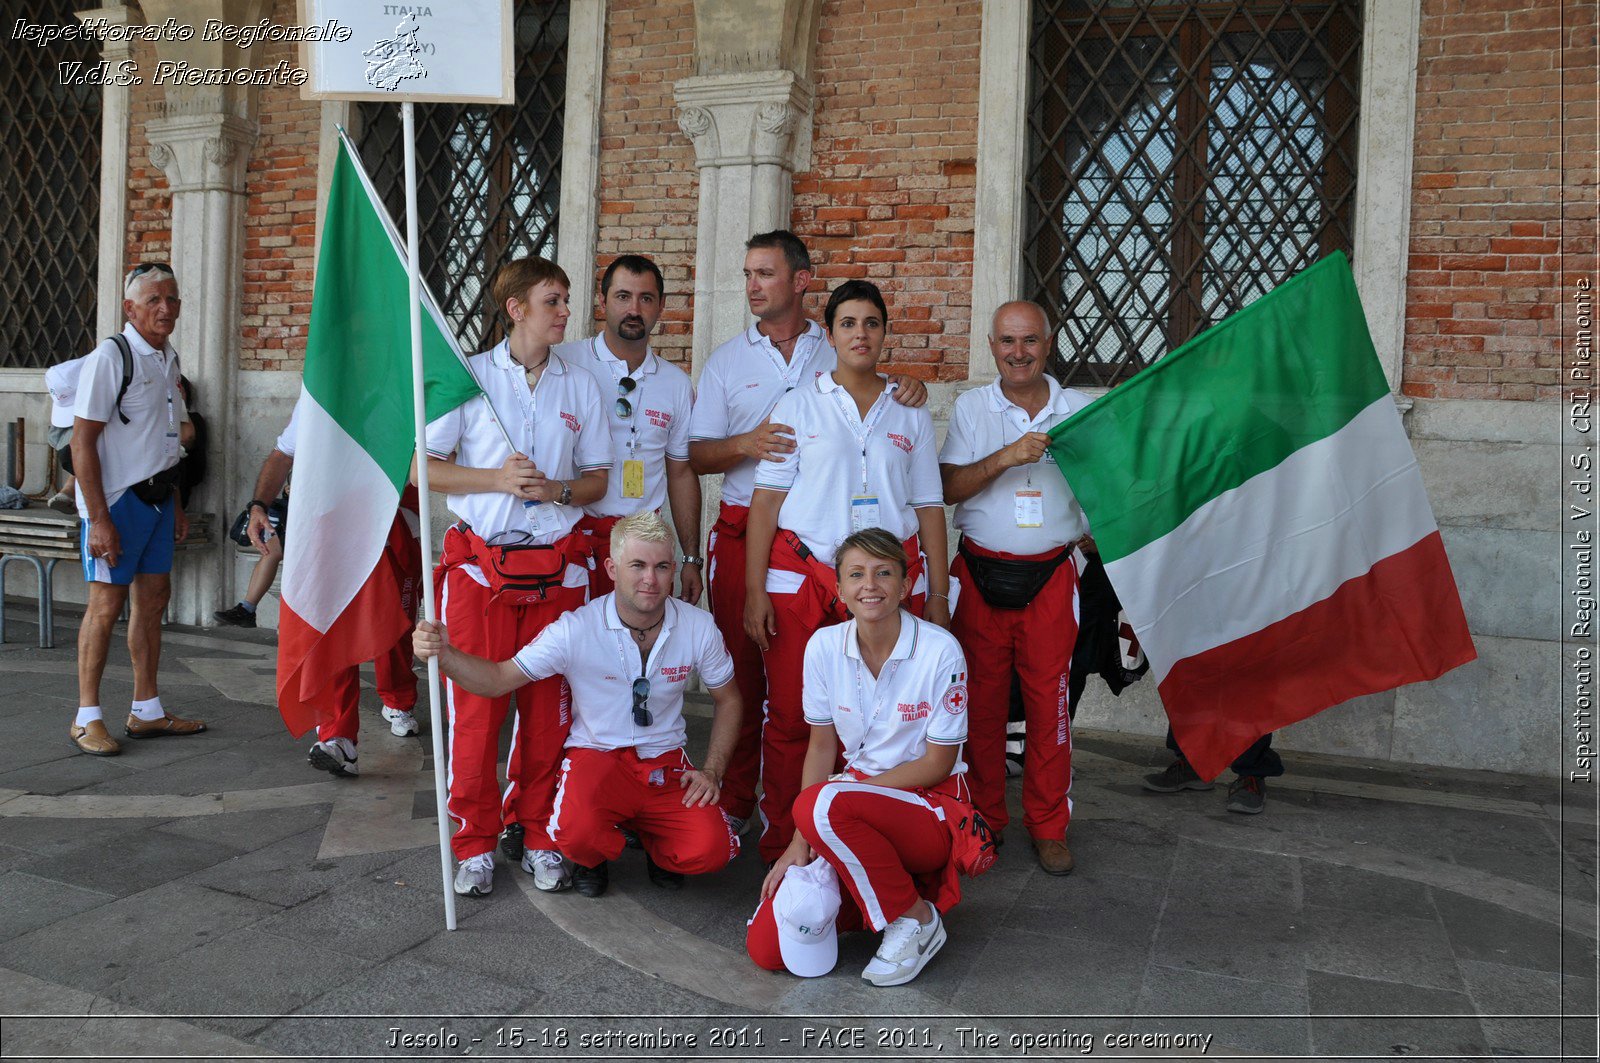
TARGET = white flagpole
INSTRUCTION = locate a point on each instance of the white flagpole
(425, 525)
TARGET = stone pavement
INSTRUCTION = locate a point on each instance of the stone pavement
(214, 897)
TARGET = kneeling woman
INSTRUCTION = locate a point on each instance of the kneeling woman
(892, 689)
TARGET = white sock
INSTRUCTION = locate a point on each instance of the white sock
(87, 714)
(149, 709)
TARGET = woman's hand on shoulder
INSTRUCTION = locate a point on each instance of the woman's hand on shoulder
(936, 610)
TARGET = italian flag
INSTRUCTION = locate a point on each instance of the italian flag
(1262, 518)
(355, 439)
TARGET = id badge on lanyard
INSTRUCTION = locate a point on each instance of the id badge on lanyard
(865, 509)
(542, 517)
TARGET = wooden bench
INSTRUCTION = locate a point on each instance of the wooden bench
(43, 538)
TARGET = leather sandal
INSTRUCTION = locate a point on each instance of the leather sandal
(93, 739)
(168, 725)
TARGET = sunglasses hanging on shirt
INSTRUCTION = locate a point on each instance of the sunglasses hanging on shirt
(625, 388)
(641, 695)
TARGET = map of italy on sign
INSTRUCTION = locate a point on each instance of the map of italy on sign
(438, 51)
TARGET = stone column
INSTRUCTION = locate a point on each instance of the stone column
(202, 143)
(751, 132)
(113, 173)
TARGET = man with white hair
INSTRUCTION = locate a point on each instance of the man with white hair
(627, 657)
(125, 447)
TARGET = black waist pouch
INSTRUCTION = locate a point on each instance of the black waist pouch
(1008, 584)
(156, 490)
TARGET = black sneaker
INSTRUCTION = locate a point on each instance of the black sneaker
(1177, 776)
(238, 616)
(591, 881)
(511, 842)
(660, 876)
(1248, 795)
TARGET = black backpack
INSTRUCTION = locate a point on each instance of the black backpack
(64, 444)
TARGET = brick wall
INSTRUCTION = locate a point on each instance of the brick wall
(1486, 250)
(649, 187)
(280, 217)
(892, 186)
(149, 235)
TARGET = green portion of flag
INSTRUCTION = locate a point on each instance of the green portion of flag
(358, 352)
(1289, 369)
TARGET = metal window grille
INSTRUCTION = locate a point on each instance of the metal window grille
(1184, 158)
(488, 178)
(50, 185)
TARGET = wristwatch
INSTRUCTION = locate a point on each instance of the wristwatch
(690, 559)
(566, 494)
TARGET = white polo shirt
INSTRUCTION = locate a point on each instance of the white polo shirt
(892, 449)
(1007, 515)
(598, 656)
(285, 443)
(560, 425)
(742, 382)
(919, 695)
(154, 407)
(658, 429)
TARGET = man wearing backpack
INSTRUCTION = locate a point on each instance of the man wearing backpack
(126, 440)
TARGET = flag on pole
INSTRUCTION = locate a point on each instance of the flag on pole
(1262, 517)
(355, 443)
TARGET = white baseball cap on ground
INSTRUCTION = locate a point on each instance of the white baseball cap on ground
(805, 908)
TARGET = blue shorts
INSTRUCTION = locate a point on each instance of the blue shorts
(146, 533)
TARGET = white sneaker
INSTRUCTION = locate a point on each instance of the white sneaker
(475, 876)
(550, 870)
(337, 755)
(906, 949)
(402, 724)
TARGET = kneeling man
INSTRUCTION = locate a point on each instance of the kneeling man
(627, 658)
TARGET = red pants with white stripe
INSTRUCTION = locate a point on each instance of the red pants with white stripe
(602, 790)
(397, 683)
(598, 529)
(725, 593)
(1037, 642)
(879, 839)
(785, 733)
(480, 625)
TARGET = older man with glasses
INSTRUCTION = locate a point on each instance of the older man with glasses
(628, 658)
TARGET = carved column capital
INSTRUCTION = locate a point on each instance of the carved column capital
(747, 119)
(202, 153)
(110, 16)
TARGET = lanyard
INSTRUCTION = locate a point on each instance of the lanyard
(1004, 424)
(884, 681)
(792, 370)
(636, 397)
(519, 386)
(847, 407)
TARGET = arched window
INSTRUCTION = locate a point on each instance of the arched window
(50, 188)
(1184, 158)
(488, 178)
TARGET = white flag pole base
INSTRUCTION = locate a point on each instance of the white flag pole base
(424, 524)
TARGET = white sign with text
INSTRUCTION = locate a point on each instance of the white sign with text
(443, 51)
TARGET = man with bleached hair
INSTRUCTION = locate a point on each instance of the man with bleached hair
(129, 419)
(627, 657)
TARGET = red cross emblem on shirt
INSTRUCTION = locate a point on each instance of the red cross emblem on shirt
(955, 698)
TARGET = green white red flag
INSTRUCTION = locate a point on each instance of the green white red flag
(355, 440)
(1262, 517)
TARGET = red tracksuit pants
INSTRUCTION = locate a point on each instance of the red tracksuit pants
(879, 840)
(397, 683)
(604, 790)
(725, 586)
(1037, 643)
(785, 733)
(598, 529)
(480, 625)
